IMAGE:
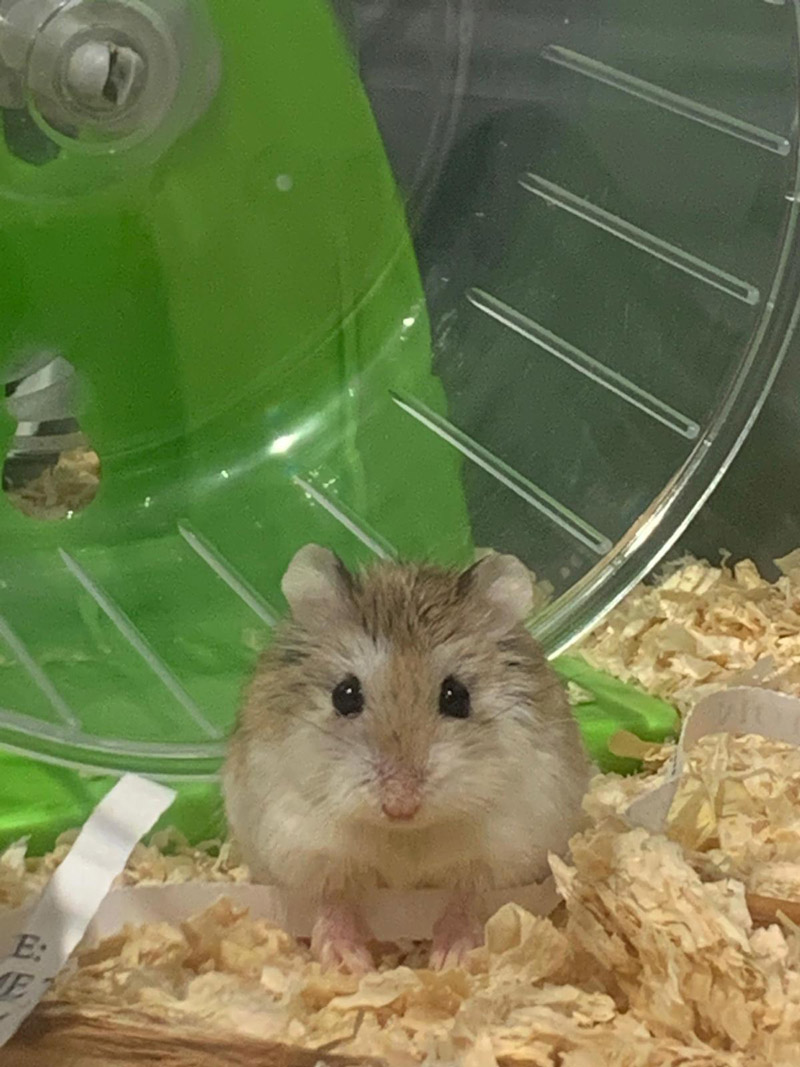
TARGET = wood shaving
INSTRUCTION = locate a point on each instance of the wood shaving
(656, 962)
(741, 813)
(703, 628)
(67, 487)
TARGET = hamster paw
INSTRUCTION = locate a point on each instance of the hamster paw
(456, 933)
(339, 940)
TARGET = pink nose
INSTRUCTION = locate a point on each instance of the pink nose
(400, 796)
(401, 808)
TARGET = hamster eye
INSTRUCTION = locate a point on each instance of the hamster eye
(454, 699)
(348, 698)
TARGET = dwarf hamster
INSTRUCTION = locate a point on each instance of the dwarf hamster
(405, 730)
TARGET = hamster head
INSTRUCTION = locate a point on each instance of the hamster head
(408, 695)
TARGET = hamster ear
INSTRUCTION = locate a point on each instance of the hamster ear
(504, 583)
(316, 585)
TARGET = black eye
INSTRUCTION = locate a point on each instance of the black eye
(454, 699)
(348, 698)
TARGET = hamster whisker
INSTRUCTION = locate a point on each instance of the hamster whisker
(549, 721)
(491, 718)
(316, 725)
(559, 721)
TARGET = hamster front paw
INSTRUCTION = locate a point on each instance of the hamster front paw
(339, 939)
(457, 932)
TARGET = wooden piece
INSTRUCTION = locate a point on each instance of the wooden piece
(765, 910)
(62, 1037)
(57, 1035)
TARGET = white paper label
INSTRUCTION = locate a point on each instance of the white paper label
(57, 923)
(392, 914)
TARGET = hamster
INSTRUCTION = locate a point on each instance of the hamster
(403, 730)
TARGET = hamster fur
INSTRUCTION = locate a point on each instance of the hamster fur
(399, 792)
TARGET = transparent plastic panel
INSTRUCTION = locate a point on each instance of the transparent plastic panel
(606, 232)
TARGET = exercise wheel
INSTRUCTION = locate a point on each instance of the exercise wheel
(408, 279)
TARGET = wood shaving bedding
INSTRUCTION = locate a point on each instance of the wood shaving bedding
(742, 814)
(653, 965)
(703, 628)
(67, 487)
(655, 959)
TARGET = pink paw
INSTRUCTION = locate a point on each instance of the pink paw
(339, 940)
(457, 933)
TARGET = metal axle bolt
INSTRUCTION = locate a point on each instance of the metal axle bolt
(100, 74)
